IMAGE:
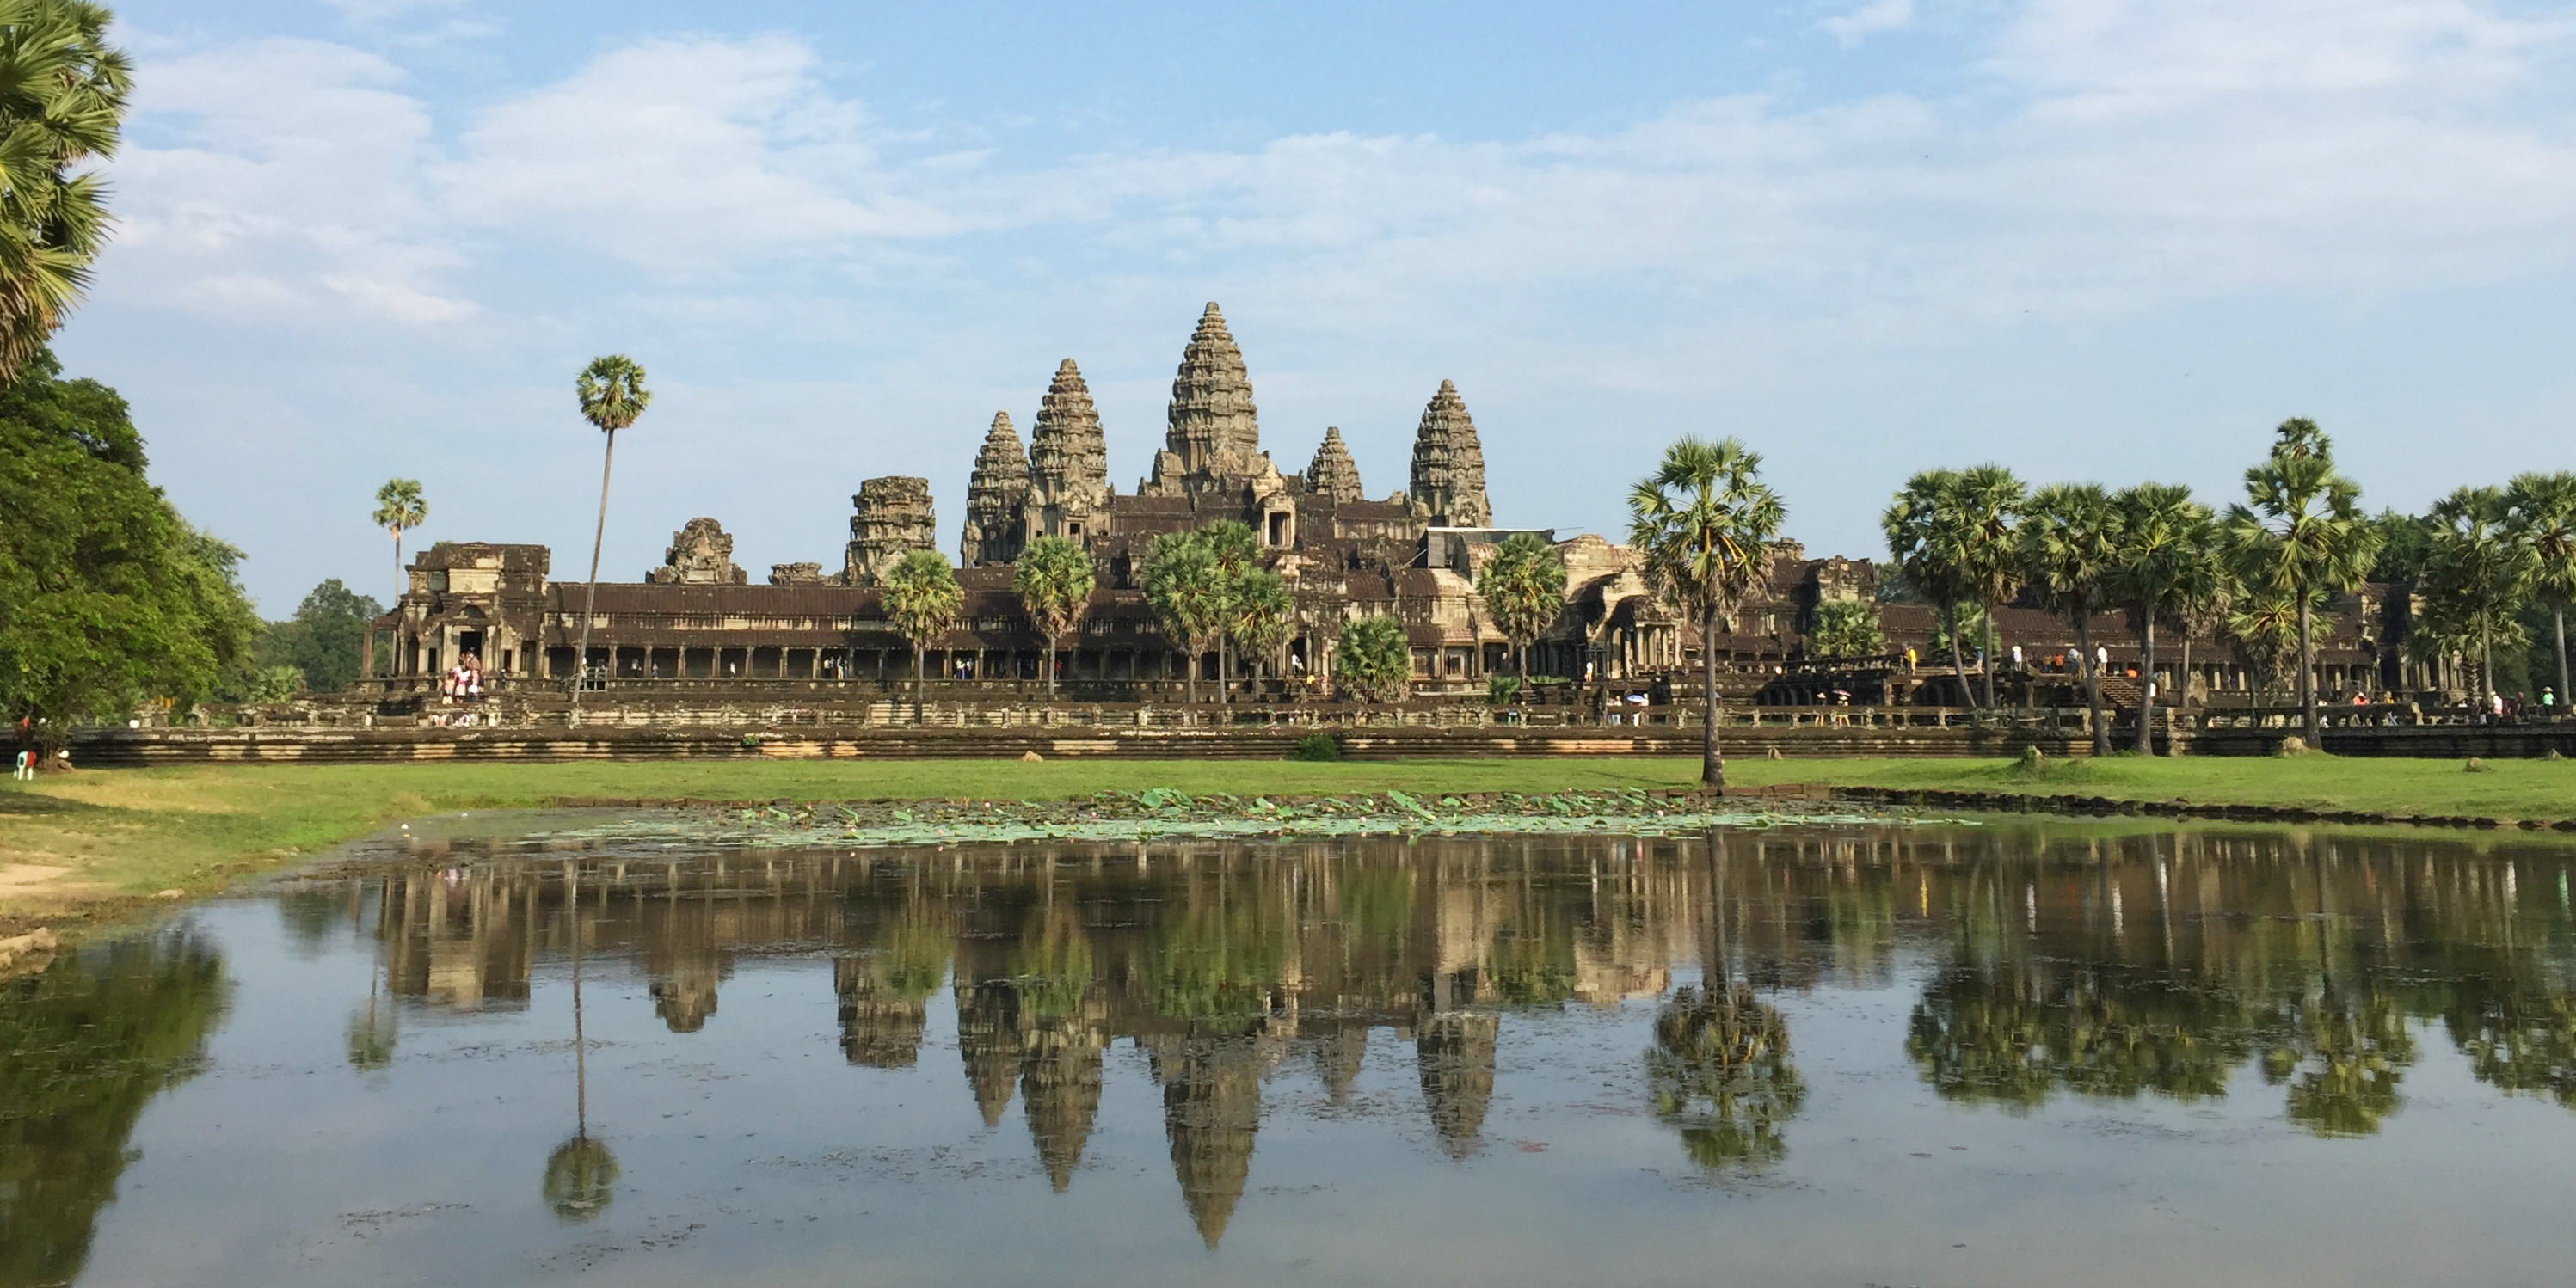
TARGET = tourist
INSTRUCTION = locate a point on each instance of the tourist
(2548, 701)
(2016, 657)
(24, 769)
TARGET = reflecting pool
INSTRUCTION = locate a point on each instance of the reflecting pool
(554, 1048)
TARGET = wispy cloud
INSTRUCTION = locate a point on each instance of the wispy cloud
(1869, 20)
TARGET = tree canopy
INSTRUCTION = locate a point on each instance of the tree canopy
(107, 597)
(324, 639)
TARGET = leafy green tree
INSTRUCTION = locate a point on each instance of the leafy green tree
(1189, 592)
(1053, 579)
(1965, 622)
(923, 598)
(63, 92)
(2541, 515)
(1238, 552)
(1847, 628)
(1262, 613)
(1704, 523)
(2301, 534)
(2070, 550)
(323, 641)
(1374, 661)
(2164, 538)
(107, 597)
(400, 507)
(612, 395)
(1923, 539)
(1523, 587)
(2477, 576)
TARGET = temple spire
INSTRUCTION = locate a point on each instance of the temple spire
(1334, 473)
(1449, 465)
(995, 493)
(1068, 460)
(1214, 433)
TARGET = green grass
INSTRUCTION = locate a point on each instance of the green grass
(124, 834)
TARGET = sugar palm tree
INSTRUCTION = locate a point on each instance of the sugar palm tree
(1523, 587)
(2302, 534)
(1985, 503)
(1373, 661)
(2264, 627)
(2477, 576)
(2541, 514)
(2202, 598)
(1053, 579)
(2163, 538)
(2070, 551)
(1703, 525)
(1188, 591)
(1923, 541)
(1238, 551)
(923, 598)
(1262, 613)
(612, 394)
(63, 93)
(400, 507)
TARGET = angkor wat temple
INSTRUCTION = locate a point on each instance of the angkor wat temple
(697, 621)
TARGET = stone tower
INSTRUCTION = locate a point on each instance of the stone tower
(1068, 461)
(995, 494)
(1449, 465)
(889, 518)
(1213, 434)
(1334, 473)
(701, 554)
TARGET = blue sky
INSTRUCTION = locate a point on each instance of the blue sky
(2104, 239)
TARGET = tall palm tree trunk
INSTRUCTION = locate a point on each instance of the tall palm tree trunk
(2558, 619)
(2182, 682)
(1190, 672)
(2093, 685)
(1987, 658)
(2314, 720)
(590, 597)
(1225, 669)
(2147, 687)
(2486, 670)
(1712, 763)
(1958, 665)
(920, 685)
(1050, 665)
(401, 585)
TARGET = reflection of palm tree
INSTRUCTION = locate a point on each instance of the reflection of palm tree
(2347, 1081)
(581, 1175)
(1720, 1071)
(371, 1028)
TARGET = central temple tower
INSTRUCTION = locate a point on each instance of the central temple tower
(1214, 435)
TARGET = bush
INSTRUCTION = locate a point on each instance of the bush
(1502, 690)
(1317, 746)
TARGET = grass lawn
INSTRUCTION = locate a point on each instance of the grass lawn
(91, 843)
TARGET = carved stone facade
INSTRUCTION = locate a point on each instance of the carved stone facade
(700, 555)
(1214, 432)
(997, 492)
(1068, 461)
(1449, 465)
(889, 518)
(1334, 474)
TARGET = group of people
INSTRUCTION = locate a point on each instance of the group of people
(461, 687)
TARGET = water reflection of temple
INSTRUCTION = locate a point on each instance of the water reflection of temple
(2049, 963)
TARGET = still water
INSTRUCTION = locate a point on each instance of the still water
(1847, 1055)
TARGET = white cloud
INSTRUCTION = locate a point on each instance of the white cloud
(366, 11)
(1869, 20)
(281, 175)
(688, 156)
